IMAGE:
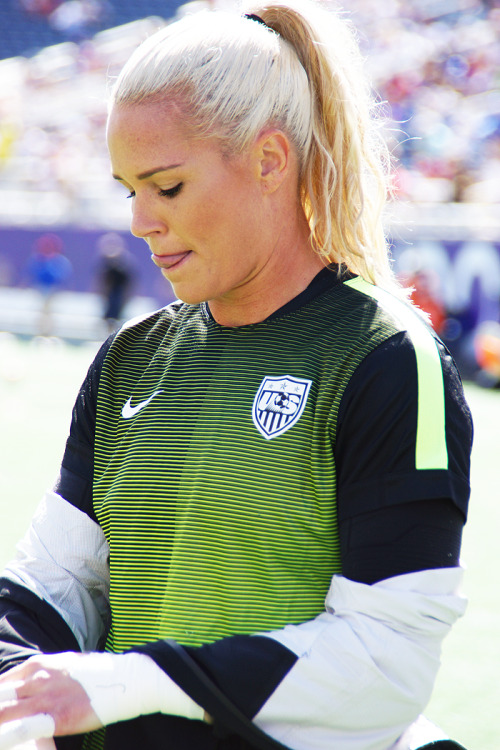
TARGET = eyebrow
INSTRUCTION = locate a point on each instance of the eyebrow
(150, 172)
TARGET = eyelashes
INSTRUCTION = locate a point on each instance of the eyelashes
(170, 193)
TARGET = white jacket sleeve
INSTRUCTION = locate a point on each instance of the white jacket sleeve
(63, 558)
(367, 666)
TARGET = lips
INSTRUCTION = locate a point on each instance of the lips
(166, 262)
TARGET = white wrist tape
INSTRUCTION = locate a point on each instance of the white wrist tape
(124, 686)
(12, 733)
(8, 691)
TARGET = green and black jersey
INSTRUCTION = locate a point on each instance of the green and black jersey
(234, 471)
(215, 471)
(215, 460)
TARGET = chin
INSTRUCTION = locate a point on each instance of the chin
(190, 300)
(189, 296)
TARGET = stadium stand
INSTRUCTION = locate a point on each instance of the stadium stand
(435, 65)
(26, 26)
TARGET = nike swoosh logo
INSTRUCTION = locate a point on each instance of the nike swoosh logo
(129, 411)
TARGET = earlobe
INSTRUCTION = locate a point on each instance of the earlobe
(274, 159)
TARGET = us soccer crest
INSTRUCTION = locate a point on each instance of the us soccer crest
(279, 404)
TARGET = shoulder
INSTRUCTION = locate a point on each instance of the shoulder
(146, 332)
(149, 321)
(417, 349)
(378, 306)
(411, 359)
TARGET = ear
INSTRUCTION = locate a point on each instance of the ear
(273, 152)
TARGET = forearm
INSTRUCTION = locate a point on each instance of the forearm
(125, 686)
(63, 562)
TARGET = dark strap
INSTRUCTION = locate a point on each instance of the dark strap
(182, 668)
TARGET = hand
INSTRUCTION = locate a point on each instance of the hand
(42, 685)
(72, 693)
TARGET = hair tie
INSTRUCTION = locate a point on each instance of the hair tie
(253, 17)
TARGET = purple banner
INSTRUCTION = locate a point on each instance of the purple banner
(457, 283)
(85, 251)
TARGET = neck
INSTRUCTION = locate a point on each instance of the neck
(275, 285)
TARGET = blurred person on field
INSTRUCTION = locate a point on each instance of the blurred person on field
(48, 272)
(115, 277)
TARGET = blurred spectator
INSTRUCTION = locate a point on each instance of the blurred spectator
(8, 137)
(73, 18)
(487, 350)
(115, 275)
(48, 270)
(40, 7)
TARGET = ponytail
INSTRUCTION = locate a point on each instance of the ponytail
(345, 178)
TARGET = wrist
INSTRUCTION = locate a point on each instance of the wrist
(124, 686)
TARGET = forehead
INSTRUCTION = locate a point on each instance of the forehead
(144, 136)
(147, 125)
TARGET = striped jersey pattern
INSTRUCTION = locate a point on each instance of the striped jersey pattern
(215, 480)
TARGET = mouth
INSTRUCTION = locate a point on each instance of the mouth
(169, 262)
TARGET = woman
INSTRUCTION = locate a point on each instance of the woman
(263, 491)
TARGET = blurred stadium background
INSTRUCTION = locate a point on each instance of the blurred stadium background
(435, 64)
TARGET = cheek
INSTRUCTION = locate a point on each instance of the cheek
(213, 221)
(219, 213)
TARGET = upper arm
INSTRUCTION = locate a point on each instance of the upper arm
(63, 560)
(77, 466)
(398, 514)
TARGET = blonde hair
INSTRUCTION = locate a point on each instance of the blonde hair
(300, 70)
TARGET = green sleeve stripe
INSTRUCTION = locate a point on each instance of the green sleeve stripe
(430, 450)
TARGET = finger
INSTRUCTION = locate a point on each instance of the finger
(29, 728)
(8, 691)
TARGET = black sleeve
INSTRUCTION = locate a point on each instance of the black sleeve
(393, 518)
(29, 625)
(77, 467)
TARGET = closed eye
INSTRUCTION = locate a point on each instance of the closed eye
(171, 192)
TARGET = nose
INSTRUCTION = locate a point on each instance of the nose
(145, 220)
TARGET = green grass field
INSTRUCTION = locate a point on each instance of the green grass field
(38, 384)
